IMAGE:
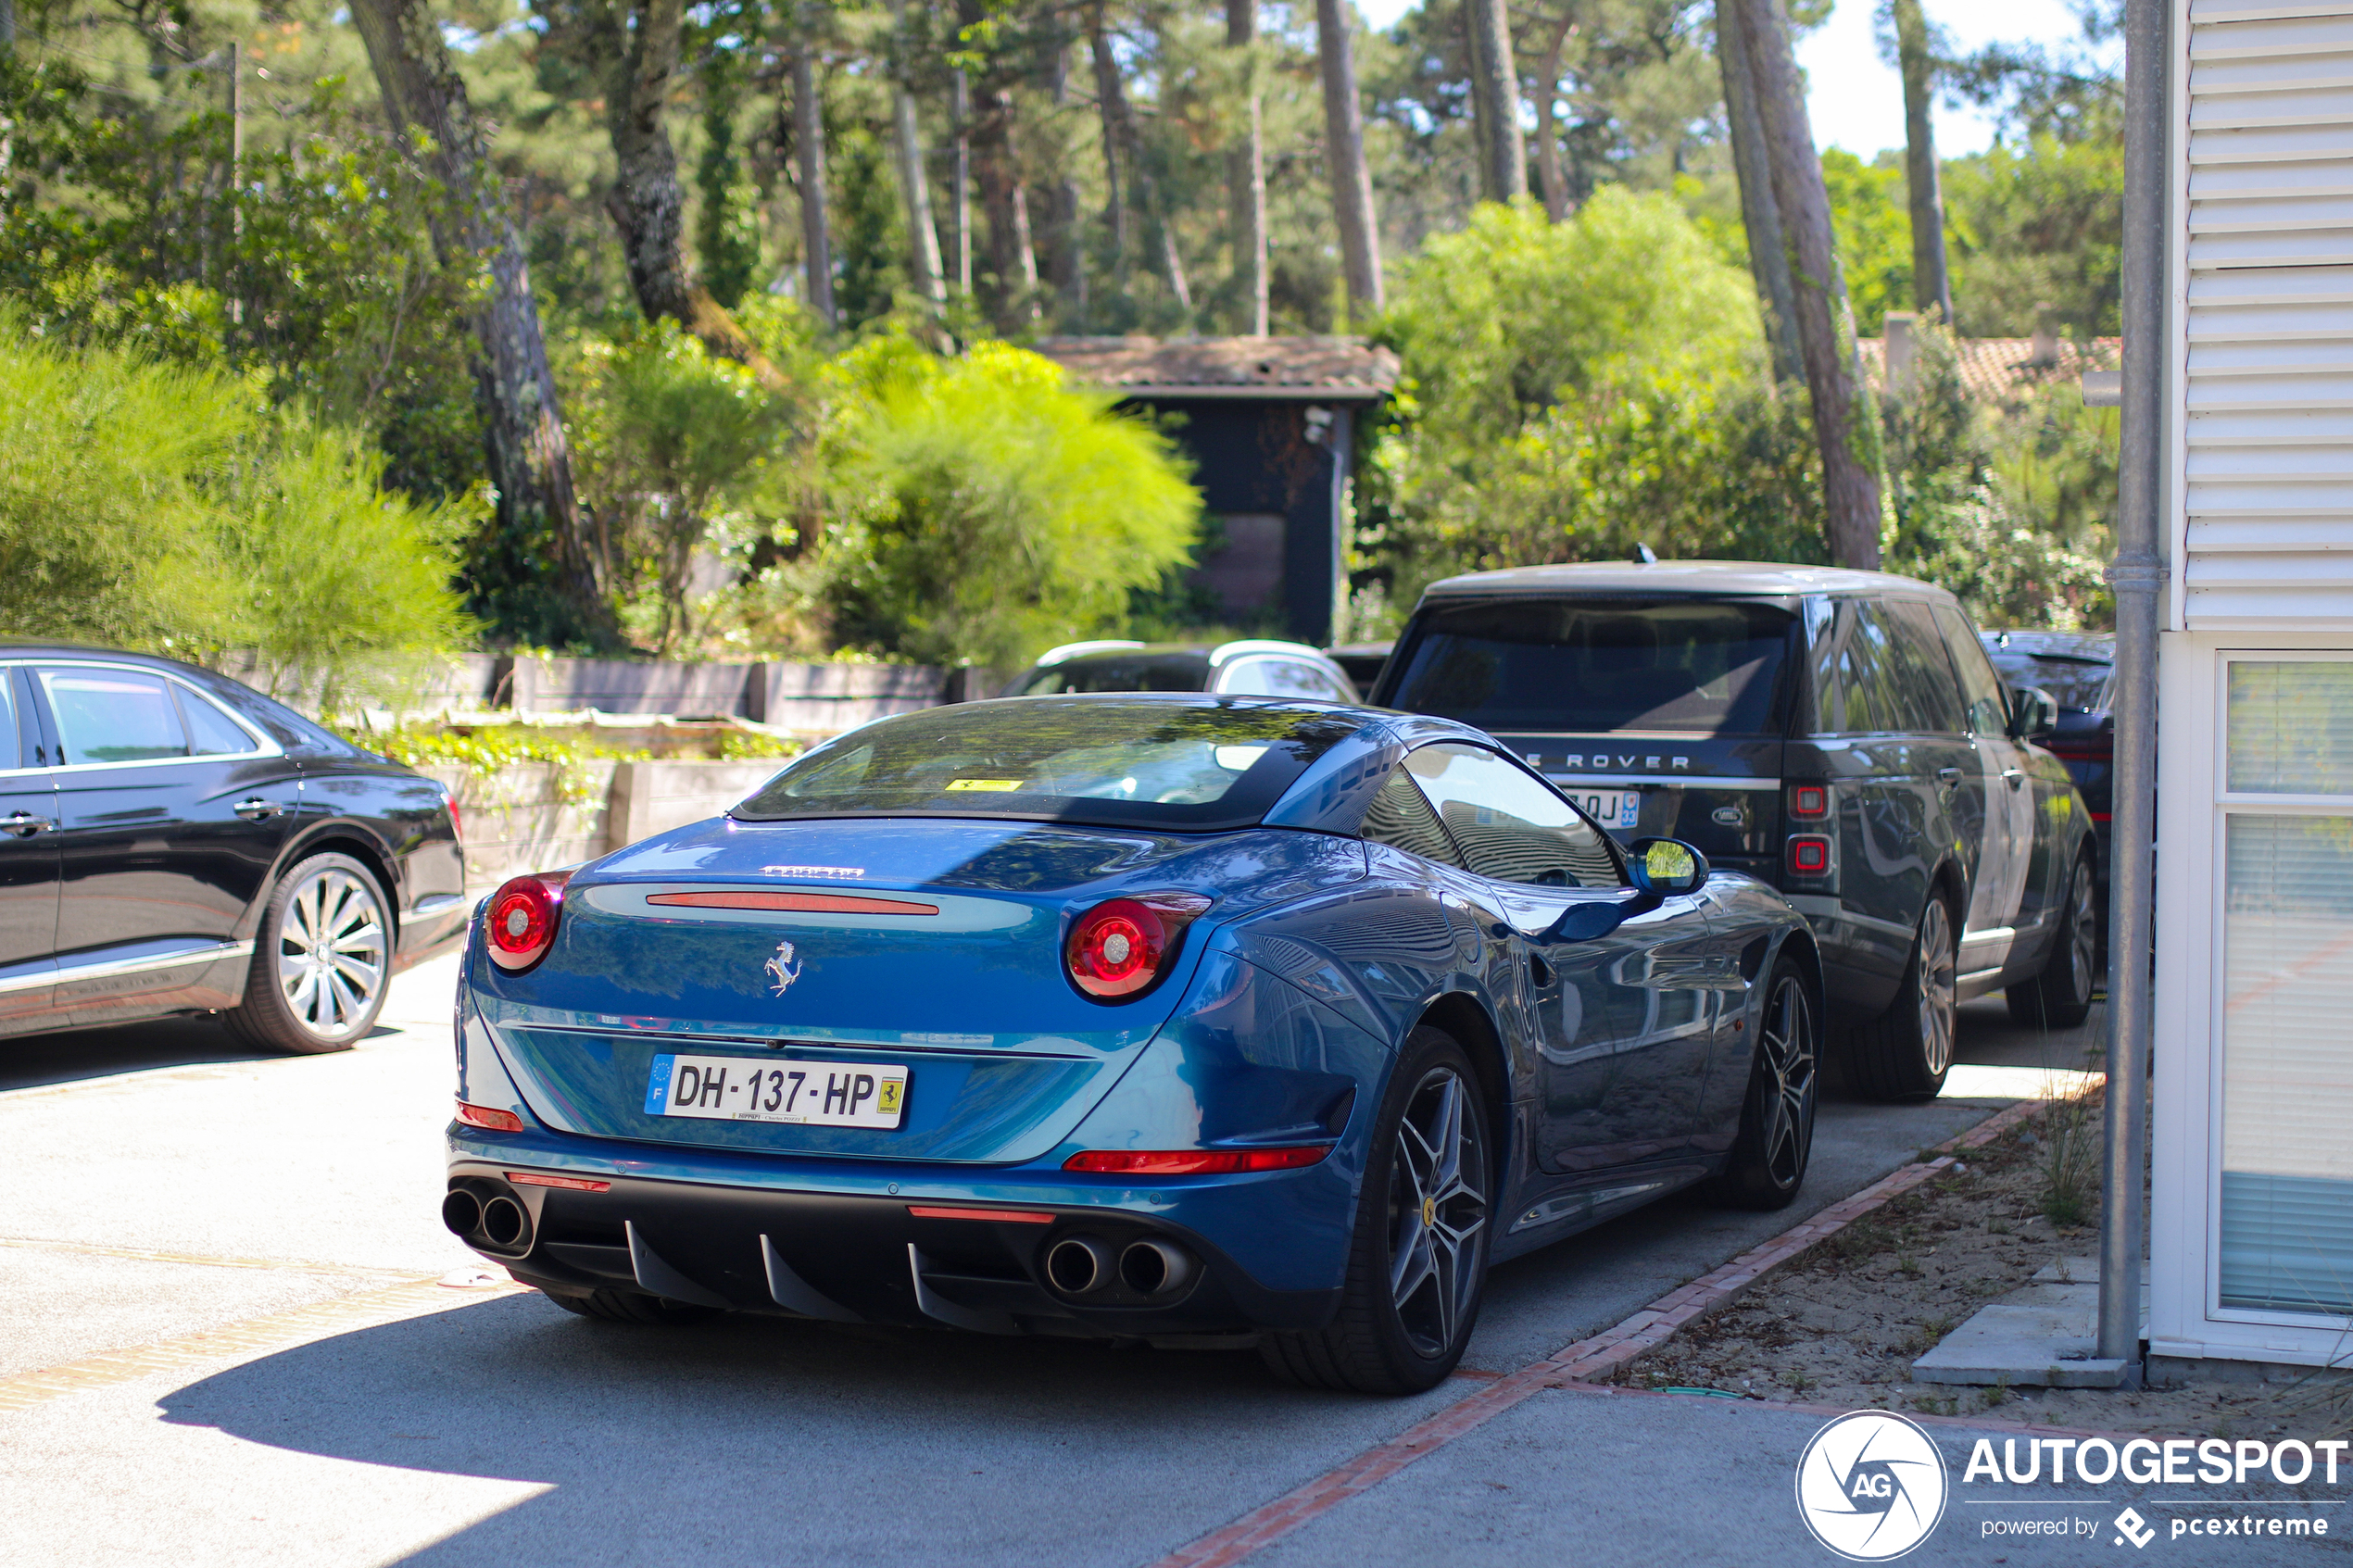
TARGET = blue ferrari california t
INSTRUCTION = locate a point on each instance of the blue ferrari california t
(1167, 1018)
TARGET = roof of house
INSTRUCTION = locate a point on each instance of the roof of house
(1334, 369)
(2001, 369)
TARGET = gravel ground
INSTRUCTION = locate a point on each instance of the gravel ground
(1841, 1325)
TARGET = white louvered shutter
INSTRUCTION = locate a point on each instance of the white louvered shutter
(2268, 413)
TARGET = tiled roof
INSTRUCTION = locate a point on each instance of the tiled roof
(1340, 370)
(2001, 368)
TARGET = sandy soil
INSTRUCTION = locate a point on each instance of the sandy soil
(1841, 1324)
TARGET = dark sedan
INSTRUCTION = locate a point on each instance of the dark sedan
(2078, 670)
(175, 842)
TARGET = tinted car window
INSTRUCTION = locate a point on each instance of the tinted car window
(1402, 816)
(1282, 677)
(1209, 765)
(1857, 684)
(2073, 682)
(1924, 669)
(1152, 672)
(1508, 824)
(114, 715)
(9, 756)
(1702, 666)
(210, 732)
(1989, 713)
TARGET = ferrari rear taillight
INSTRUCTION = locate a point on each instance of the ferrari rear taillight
(1195, 1162)
(521, 925)
(1121, 948)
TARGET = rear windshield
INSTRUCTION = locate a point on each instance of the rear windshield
(1207, 765)
(1132, 673)
(1706, 666)
(2073, 682)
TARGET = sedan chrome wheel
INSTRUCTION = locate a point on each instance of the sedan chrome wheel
(1437, 1212)
(2082, 934)
(1933, 963)
(331, 953)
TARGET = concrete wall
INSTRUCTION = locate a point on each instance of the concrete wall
(538, 816)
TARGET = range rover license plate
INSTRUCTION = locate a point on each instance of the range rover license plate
(816, 1094)
(1611, 808)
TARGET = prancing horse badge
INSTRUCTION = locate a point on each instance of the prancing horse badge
(783, 969)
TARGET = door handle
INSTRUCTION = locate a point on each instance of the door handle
(1947, 777)
(24, 824)
(2013, 777)
(256, 810)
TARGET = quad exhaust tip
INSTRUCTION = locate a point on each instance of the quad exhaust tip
(504, 1222)
(485, 1215)
(1077, 1264)
(461, 1212)
(1155, 1268)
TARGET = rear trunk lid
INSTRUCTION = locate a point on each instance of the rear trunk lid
(930, 946)
(1720, 794)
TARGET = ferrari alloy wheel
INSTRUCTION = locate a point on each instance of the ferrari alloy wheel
(1418, 1263)
(1768, 1163)
(1905, 1054)
(2060, 998)
(321, 961)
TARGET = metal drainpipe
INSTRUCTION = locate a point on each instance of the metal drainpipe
(2137, 575)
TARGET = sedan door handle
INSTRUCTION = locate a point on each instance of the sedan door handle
(256, 810)
(24, 824)
(2013, 777)
(1947, 777)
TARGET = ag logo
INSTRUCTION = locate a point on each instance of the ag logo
(1870, 1485)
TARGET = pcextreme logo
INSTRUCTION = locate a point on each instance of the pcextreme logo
(1872, 1486)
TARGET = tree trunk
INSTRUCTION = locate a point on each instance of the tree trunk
(1110, 102)
(647, 205)
(1502, 165)
(1932, 285)
(1344, 160)
(1246, 175)
(809, 150)
(1065, 244)
(1120, 121)
(960, 180)
(1012, 263)
(1767, 256)
(914, 183)
(1845, 428)
(1548, 136)
(529, 454)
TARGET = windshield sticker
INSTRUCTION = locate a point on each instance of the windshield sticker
(992, 785)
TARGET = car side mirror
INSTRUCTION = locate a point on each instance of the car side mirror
(1664, 867)
(2033, 714)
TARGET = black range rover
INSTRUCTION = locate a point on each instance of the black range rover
(1840, 734)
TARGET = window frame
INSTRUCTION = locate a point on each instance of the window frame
(265, 746)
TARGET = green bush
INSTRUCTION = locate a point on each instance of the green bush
(1576, 390)
(984, 510)
(160, 507)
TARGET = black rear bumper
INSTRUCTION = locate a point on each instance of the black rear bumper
(867, 1260)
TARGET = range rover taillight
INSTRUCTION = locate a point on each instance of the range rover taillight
(1809, 855)
(1809, 800)
(520, 926)
(1121, 948)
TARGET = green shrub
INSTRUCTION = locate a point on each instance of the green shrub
(984, 510)
(160, 507)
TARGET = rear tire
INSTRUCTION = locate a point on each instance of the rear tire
(2060, 998)
(321, 960)
(1768, 1163)
(628, 1306)
(1417, 1258)
(1904, 1053)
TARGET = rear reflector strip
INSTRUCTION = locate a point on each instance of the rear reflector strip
(1194, 1162)
(1002, 1216)
(570, 1184)
(798, 903)
(482, 1116)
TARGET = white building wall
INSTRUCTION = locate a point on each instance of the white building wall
(2261, 493)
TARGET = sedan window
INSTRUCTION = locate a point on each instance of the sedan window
(1510, 825)
(210, 732)
(113, 716)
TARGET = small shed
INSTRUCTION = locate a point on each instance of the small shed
(1270, 424)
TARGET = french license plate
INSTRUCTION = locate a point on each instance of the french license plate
(1611, 808)
(816, 1094)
